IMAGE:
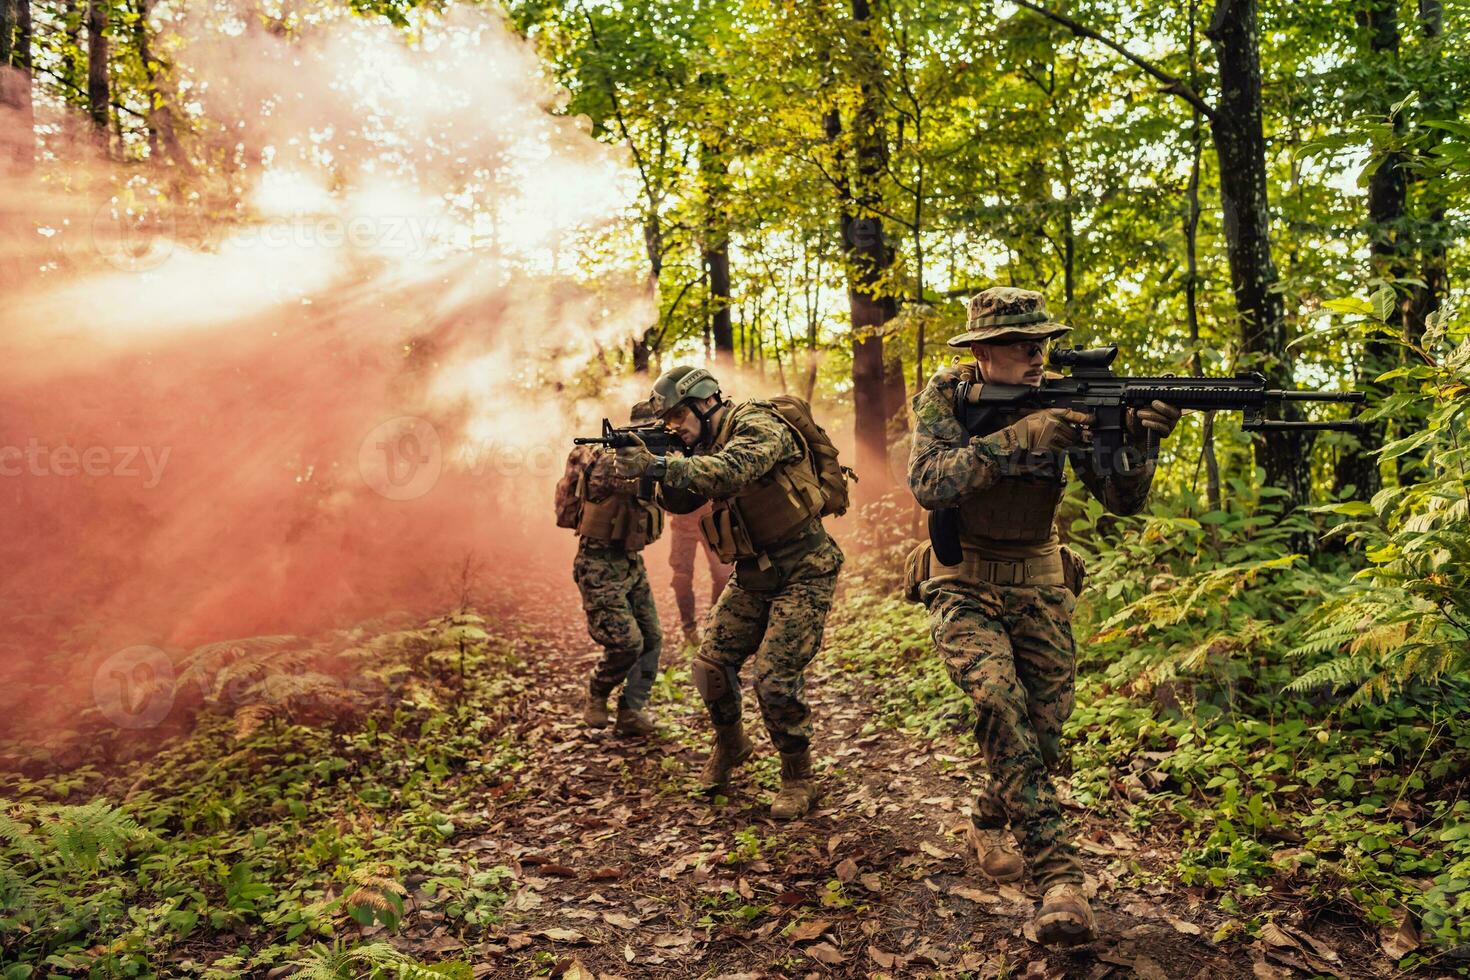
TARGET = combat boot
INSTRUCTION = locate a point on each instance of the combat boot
(691, 635)
(1065, 918)
(996, 853)
(595, 711)
(636, 722)
(798, 787)
(731, 749)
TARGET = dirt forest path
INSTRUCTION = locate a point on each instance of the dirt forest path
(621, 869)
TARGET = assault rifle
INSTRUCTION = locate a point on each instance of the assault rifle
(659, 439)
(1095, 389)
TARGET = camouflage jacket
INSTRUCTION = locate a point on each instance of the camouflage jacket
(758, 441)
(596, 462)
(946, 462)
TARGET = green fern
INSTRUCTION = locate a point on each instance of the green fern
(17, 837)
(92, 836)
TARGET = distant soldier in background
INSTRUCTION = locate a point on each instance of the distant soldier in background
(1002, 618)
(685, 543)
(613, 524)
(771, 473)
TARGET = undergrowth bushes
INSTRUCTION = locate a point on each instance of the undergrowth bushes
(276, 826)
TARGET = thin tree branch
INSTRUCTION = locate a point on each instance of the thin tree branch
(1172, 85)
(72, 86)
(668, 317)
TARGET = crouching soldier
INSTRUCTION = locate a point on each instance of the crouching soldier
(771, 473)
(613, 524)
(1002, 618)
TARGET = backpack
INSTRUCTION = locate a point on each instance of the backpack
(831, 474)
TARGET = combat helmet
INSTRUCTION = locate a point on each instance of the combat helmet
(684, 384)
(1003, 313)
(643, 412)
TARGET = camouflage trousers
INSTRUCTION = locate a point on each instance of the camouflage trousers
(776, 616)
(685, 543)
(1010, 648)
(622, 618)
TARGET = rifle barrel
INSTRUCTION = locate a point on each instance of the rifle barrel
(1280, 424)
(1316, 396)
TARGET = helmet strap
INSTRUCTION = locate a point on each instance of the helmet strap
(706, 436)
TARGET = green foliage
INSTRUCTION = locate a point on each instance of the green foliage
(287, 832)
(373, 961)
(1406, 615)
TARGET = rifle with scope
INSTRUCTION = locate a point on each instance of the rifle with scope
(1092, 387)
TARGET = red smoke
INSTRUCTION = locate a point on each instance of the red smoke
(307, 408)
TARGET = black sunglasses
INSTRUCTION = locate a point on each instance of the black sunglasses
(1032, 348)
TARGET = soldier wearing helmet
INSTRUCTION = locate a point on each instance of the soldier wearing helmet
(613, 524)
(1001, 619)
(766, 517)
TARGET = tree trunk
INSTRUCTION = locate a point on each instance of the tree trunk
(640, 355)
(713, 171)
(717, 266)
(919, 332)
(1191, 278)
(1240, 147)
(653, 245)
(868, 261)
(1357, 468)
(1425, 299)
(71, 19)
(99, 95)
(162, 127)
(17, 111)
(1069, 237)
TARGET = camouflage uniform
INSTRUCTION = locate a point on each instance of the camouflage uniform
(1010, 648)
(685, 543)
(616, 596)
(775, 607)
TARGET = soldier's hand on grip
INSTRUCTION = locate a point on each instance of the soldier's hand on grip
(1050, 430)
(1158, 418)
(632, 461)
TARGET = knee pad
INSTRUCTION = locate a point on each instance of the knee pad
(714, 681)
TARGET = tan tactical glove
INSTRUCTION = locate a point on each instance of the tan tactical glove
(1048, 431)
(632, 461)
(1159, 418)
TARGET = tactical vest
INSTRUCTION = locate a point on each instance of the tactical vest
(768, 511)
(1008, 530)
(622, 519)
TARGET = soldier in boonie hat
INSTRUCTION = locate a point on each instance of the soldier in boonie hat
(1002, 314)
